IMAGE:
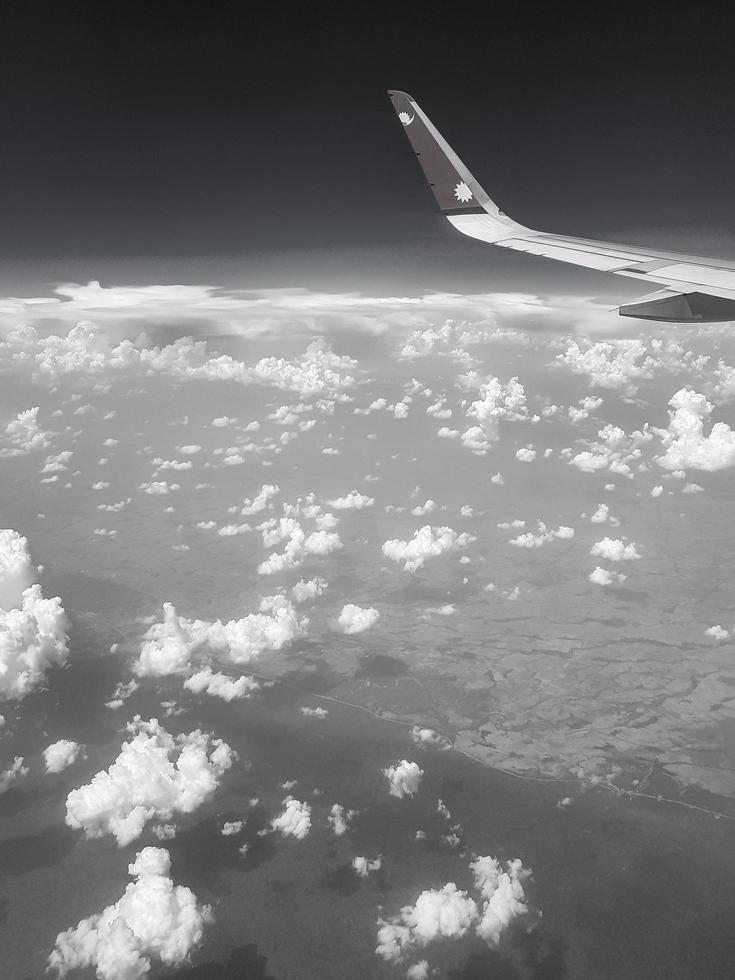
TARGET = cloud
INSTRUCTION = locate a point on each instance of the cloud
(299, 544)
(219, 685)
(33, 630)
(497, 402)
(617, 364)
(427, 542)
(309, 589)
(61, 755)
(153, 920)
(403, 778)
(439, 913)
(24, 434)
(364, 866)
(686, 445)
(355, 619)
(155, 776)
(261, 501)
(168, 647)
(448, 913)
(340, 819)
(294, 820)
(504, 898)
(615, 549)
(428, 738)
(354, 500)
(14, 773)
(601, 576)
(542, 536)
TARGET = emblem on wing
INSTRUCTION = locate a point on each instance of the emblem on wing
(405, 118)
(462, 192)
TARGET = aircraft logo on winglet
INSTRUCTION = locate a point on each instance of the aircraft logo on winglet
(405, 118)
(462, 192)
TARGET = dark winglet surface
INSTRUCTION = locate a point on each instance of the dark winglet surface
(454, 187)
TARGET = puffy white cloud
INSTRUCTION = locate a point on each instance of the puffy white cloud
(299, 544)
(156, 487)
(427, 542)
(153, 920)
(403, 778)
(168, 647)
(354, 500)
(261, 501)
(355, 619)
(339, 819)
(24, 434)
(542, 536)
(314, 712)
(717, 632)
(219, 685)
(498, 401)
(155, 776)
(13, 774)
(428, 738)
(294, 820)
(231, 827)
(418, 971)
(504, 898)
(615, 549)
(309, 589)
(615, 364)
(33, 630)
(686, 445)
(439, 913)
(363, 866)
(62, 754)
(17, 571)
(601, 576)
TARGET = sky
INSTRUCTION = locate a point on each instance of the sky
(206, 138)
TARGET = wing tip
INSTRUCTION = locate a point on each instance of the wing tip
(396, 92)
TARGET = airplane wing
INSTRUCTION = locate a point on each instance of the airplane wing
(695, 288)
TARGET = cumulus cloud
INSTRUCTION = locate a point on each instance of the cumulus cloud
(363, 866)
(615, 549)
(615, 364)
(12, 774)
(601, 576)
(339, 819)
(85, 349)
(309, 589)
(439, 913)
(294, 820)
(503, 895)
(403, 778)
(298, 544)
(354, 500)
(686, 446)
(355, 619)
(153, 920)
(427, 542)
(155, 776)
(218, 685)
(33, 630)
(62, 754)
(428, 738)
(23, 435)
(168, 646)
(542, 535)
(448, 913)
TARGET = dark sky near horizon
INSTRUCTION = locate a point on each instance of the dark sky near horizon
(240, 132)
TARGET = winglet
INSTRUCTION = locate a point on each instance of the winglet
(455, 189)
